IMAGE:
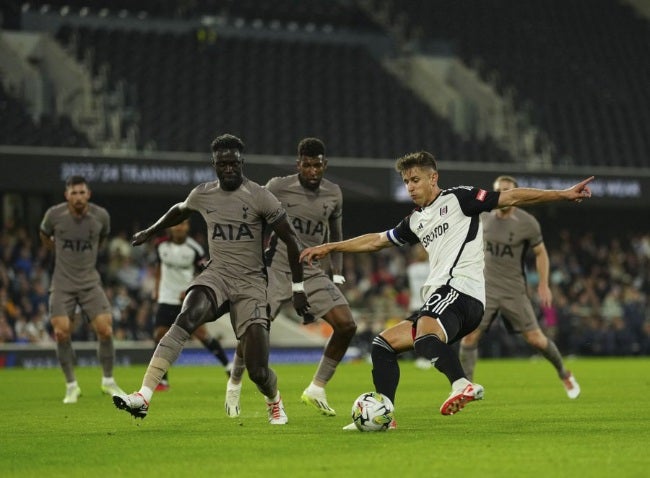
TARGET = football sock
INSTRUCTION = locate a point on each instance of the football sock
(552, 354)
(385, 369)
(106, 355)
(66, 358)
(468, 357)
(315, 389)
(441, 355)
(215, 347)
(166, 353)
(146, 392)
(238, 367)
(460, 384)
(325, 371)
(275, 397)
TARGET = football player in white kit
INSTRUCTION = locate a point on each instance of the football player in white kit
(447, 224)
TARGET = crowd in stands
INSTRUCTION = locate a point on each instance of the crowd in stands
(600, 288)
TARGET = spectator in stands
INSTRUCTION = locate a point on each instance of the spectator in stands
(6, 330)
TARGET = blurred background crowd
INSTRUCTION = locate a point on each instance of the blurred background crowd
(600, 288)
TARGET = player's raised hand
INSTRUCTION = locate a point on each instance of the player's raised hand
(580, 191)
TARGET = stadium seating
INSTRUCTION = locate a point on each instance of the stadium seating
(19, 128)
(334, 13)
(585, 92)
(581, 65)
(270, 91)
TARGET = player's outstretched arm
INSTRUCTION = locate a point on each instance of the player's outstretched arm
(528, 196)
(176, 214)
(365, 243)
(579, 191)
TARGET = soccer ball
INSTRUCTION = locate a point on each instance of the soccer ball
(372, 412)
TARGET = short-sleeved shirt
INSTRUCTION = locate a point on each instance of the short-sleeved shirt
(309, 211)
(235, 223)
(76, 243)
(450, 230)
(507, 241)
(178, 265)
(236, 273)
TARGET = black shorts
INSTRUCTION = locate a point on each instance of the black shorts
(166, 315)
(458, 313)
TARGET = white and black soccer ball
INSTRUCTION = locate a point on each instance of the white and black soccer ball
(372, 412)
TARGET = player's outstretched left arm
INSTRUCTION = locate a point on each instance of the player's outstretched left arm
(528, 196)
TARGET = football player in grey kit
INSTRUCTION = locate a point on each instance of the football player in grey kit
(74, 230)
(446, 222)
(236, 211)
(178, 258)
(314, 206)
(508, 233)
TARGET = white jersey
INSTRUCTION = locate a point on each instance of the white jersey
(178, 265)
(417, 273)
(450, 230)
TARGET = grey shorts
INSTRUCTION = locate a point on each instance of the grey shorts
(517, 313)
(93, 302)
(322, 293)
(244, 297)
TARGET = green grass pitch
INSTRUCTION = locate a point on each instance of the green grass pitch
(525, 426)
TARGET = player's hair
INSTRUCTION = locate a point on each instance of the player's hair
(74, 180)
(421, 159)
(227, 141)
(311, 147)
(505, 177)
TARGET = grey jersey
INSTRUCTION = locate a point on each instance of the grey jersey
(76, 244)
(309, 213)
(235, 222)
(507, 240)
